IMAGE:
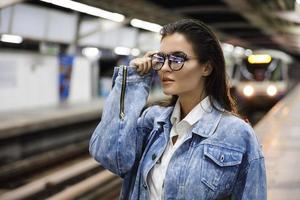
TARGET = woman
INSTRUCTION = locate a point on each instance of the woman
(193, 148)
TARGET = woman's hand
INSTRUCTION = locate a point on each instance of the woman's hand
(143, 64)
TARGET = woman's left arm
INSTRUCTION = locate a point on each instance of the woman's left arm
(251, 184)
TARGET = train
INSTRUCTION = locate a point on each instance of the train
(261, 79)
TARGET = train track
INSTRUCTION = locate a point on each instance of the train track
(80, 179)
(62, 170)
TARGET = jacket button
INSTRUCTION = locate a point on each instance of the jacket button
(222, 158)
(227, 186)
(153, 156)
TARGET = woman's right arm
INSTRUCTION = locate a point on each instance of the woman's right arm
(117, 140)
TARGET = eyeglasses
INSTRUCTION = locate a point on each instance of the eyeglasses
(175, 60)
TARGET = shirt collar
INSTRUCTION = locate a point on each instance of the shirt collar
(198, 111)
(205, 127)
(175, 117)
(194, 115)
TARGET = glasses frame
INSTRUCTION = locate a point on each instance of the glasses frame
(167, 57)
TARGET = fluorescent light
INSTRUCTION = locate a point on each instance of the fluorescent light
(135, 52)
(80, 7)
(145, 25)
(125, 51)
(122, 51)
(227, 47)
(298, 1)
(11, 38)
(248, 52)
(91, 52)
(239, 51)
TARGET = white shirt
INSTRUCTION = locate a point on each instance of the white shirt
(182, 130)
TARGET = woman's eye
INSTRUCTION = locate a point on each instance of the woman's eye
(176, 59)
(159, 59)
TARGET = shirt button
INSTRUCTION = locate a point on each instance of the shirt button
(153, 156)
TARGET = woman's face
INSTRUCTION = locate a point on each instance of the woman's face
(189, 79)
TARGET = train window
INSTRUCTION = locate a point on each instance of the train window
(277, 73)
(261, 71)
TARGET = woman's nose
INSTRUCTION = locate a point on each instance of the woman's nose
(165, 66)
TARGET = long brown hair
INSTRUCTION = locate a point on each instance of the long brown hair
(208, 50)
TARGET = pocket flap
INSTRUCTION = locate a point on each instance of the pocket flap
(223, 156)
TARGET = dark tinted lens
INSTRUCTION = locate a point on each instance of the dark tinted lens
(157, 61)
(176, 62)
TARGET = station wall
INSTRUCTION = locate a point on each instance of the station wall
(29, 80)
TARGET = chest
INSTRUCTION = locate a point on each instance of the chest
(198, 168)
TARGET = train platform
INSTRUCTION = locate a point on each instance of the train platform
(279, 133)
(15, 123)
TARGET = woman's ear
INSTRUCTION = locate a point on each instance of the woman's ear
(207, 69)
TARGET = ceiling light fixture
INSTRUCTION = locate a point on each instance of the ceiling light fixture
(145, 25)
(125, 51)
(91, 52)
(135, 52)
(16, 39)
(83, 8)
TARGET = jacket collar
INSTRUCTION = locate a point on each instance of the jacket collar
(165, 116)
(205, 127)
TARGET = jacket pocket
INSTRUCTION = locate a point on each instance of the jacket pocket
(220, 166)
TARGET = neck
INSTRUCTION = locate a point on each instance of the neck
(188, 102)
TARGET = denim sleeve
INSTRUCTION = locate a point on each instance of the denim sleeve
(116, 143)
(252, 183)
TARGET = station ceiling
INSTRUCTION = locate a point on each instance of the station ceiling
(248, 23)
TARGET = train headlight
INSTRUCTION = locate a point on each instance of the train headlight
(271, 90)
(248, 90)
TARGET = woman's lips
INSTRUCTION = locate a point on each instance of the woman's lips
(167, 80)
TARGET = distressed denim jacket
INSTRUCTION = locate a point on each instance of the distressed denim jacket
(222, 159)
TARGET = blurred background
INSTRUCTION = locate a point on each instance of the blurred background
(57, 59)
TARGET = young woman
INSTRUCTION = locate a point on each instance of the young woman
(193, 148)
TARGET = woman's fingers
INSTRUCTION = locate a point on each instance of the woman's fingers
(144, 68)
(139, 65)
(148, 65)
(135, 63)
(143, 64)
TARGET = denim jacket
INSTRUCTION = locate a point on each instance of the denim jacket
(221, 159)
